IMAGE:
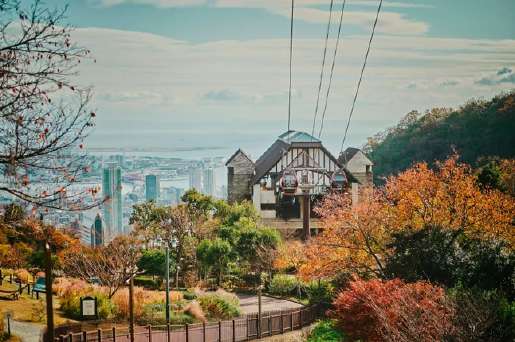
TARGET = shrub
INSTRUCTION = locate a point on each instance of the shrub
(483, 315)
(23, 275)
(220, 305)
(70, 304)
(147, 282)
(325, 331)
(283, 285)
(377, 310)
(195, 310)
(189, 295)
(320, 292)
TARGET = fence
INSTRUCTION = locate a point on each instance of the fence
(240, 329)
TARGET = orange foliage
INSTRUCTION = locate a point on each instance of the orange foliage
(291, 255)
(449, 197)
(355, 237)
(377, 310)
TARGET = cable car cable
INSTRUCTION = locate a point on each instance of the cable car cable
(323, 66)
(291, 52)
(332, 69)
(361, 75)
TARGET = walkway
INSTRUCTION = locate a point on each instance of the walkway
(249, 304)
(26, 331)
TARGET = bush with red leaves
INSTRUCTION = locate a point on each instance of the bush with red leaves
(392, 310)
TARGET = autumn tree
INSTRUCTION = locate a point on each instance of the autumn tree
(378, 310)
(353, 238)
(356, 238)
(113, 265)
(44, 115)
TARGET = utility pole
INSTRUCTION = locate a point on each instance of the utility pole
(48, 294)
(167, 285)
(131, 306)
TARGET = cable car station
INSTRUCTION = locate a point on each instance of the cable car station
(291, 176)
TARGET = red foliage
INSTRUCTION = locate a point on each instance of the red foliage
(392, 310)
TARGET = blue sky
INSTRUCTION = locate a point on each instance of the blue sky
(215, 72)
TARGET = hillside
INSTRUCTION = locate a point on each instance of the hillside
(477, 130)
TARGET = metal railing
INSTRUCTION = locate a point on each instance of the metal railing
(240, 329)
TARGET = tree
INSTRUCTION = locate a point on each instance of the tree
(214, 255)
(353, 238)
(43, 115)
(357, 238)
(153, 262)
(392, 310)
(113, 265)
(434, 254)
(478, 129)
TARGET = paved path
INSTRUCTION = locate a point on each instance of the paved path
(26, 331)
(249, 304)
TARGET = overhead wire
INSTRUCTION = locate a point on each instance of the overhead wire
(361, 75)
(323, 66)
(332, 69)
(291, 53)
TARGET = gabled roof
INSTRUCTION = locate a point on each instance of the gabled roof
(283, 143)
(238, 151)
(270, 157)
(348, 154)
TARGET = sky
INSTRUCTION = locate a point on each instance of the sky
(215, 73)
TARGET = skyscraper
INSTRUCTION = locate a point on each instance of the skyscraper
(97, 233)
(112, 192)
(152, 191)
(196, 179)
(208, 181)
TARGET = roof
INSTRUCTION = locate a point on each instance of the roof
(270, 157)
(235, 154)
(283, 143)
(296, 136)
(347, 155)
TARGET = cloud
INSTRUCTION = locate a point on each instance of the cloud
(234, 84)
(390, 22)
(449, 83)
(502, 76)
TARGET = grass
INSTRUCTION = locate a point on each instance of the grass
(28, 309)
(325, 331)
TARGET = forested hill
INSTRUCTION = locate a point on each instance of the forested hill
(476, 130)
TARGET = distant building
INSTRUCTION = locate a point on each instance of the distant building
(97, 233)
(112, 206)
(195, 175)
(152, 188)
(208, 182)
(358, 164)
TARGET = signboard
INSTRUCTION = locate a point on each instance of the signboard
(88, 307)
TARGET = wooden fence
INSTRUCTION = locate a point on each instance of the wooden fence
(240, 329)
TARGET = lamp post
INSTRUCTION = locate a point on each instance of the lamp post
(173, 243)
(167, 285)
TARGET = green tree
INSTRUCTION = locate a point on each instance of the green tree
(214, 255)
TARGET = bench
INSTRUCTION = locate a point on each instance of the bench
(14, 294)
(39, 287)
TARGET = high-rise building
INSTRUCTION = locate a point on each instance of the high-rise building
(112, 193)
(208, 181)
(152, 191)
(196, 178)
(97, 233)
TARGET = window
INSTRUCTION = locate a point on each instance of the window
(368, 168)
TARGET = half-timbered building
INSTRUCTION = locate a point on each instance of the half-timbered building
(294, 152)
